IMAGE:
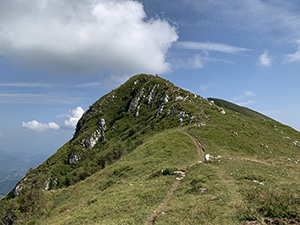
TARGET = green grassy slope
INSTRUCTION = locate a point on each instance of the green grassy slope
(240, 109)
(128, 176)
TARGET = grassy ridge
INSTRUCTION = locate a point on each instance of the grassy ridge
(125, 192)
(239, 109)
(124, 178)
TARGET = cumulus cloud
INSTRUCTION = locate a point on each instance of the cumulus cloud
(73, 118)
(264, 59)
(295, 57)
(38, 126)
(84, 36)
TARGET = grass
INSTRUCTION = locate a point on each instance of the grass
(126, 187)
(126, 177)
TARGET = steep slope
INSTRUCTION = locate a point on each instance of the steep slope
(239, 109)
(119, 167)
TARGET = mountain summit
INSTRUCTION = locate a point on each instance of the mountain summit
(150, 152)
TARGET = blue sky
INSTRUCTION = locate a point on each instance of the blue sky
(58, 57)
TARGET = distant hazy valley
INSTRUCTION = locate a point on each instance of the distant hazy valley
(13, 166)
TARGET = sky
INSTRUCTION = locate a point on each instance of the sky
(57, 57)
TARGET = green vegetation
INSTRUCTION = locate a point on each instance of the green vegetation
(239, 109)
(129, 174)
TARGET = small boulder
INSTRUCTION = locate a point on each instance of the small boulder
(102, 123)
(207, 157)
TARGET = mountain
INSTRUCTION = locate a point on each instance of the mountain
(236, 108)
(152, 153)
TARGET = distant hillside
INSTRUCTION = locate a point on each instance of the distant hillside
(240, 109)
(13, 166)
(6, 186)
(139, 156)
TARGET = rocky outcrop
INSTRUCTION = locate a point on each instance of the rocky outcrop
(165, 99)
(73, 158)
(102, 123)
(18, 188)
(91, 141)
(135, 101)
(151, 94)
(160, 110)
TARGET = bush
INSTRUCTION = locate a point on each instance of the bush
(169, 171)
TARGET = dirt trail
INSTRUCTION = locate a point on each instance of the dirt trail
(154, 214)
(197, 144)
(160, 208)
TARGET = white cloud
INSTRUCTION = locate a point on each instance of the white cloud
(84, 36)
(249, 93)
(210, 46)
(33, 98)
(198, 63)
(92, 84)
(243, 99)
(204, 87)
(295, 57)
(249, 102)
(264, 59)
(29, 85)
(275, 21)
(73, 118)
(38, 126)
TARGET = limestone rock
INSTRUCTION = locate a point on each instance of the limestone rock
(165, 99)
(74, 159)
(191, 119)
(178, 98)
(160, 109)
(135, 101)
(151, 95)
(182, 114)
(102, 123)
(18, 188)
(90, 142)
(296, 143)
(207, 157)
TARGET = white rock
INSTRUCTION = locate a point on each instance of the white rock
(165, 99)
(90, 142)
(74, 159)
(178, 98)
(207, 157)
(102, 123)
(179, 173)
(18, 189)
(223, 111)
(160, 109)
